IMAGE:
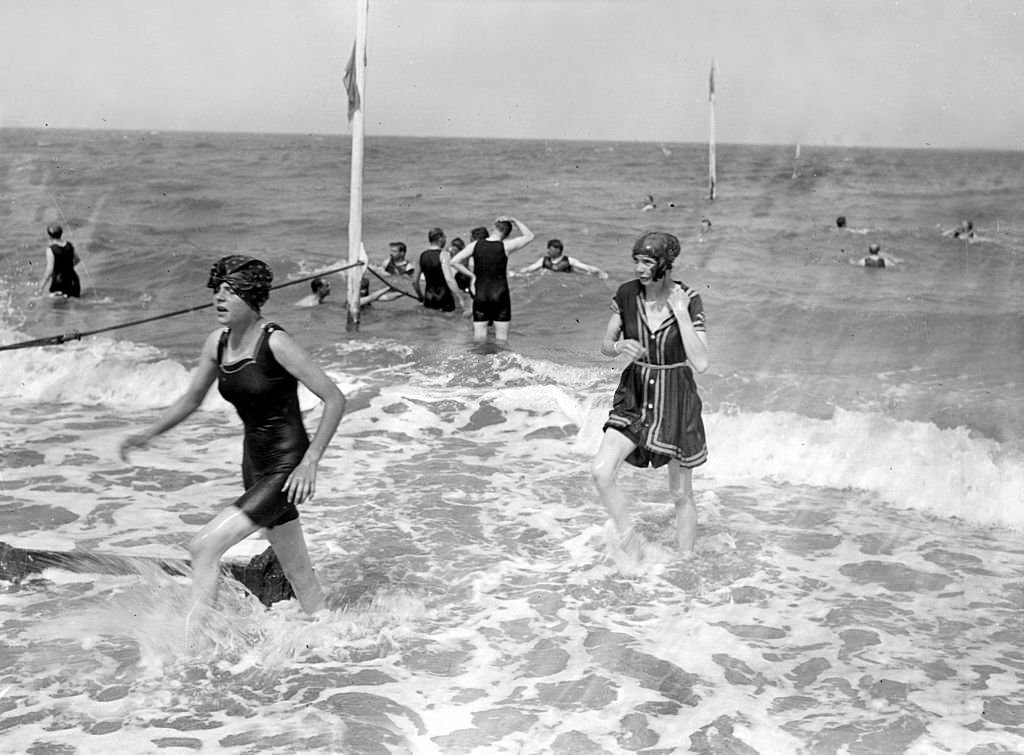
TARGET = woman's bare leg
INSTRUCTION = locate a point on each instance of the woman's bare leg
(680, 485)
(230, 526)
(290, 548)
(604, 470)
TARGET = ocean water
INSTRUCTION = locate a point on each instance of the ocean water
(859, 577)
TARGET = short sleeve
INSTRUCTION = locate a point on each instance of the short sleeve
(696, 310)
(613, 305)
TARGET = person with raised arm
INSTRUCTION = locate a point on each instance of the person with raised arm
(492, 300)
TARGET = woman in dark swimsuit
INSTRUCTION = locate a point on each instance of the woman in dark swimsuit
(658, 325)
(257, 366)
(492, 302)
(61, 259)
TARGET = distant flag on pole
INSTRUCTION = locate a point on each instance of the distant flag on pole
(351, 85)
(711, 82)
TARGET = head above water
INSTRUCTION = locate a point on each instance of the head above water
(436, 236)
(54, 231)
(663, 247)
(248, 277)
(320, 286)
(397, 248)
(874, 248)
(479, 233)
(458, 244)
(841, 221)
(503, 227)
(555, 245)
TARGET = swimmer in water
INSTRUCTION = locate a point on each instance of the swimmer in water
(965, 230)
(319, 290)
(558, 262)
(492, 301)
(257, 367)
(61, 260)
(397, 264)
(439, 289)
(875, 258)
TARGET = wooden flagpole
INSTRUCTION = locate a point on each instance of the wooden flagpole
(357, 101)
(712, 171)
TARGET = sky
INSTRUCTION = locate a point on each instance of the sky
(889, 73)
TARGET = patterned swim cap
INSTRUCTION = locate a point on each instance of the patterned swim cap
(663, 247)
(248, 277)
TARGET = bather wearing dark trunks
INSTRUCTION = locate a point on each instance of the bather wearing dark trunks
(492, 301)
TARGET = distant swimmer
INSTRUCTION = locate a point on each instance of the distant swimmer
(842, 226)
(61, 259)
(875, 258)
(705, 229)
(439, 290)
(558, 262)
(964, 230)
(492, 301)
(649, 204)
(319, 290)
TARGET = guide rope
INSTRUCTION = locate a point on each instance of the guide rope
(76, 335)
(393, 288)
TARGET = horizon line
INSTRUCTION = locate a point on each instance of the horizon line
(593, 140)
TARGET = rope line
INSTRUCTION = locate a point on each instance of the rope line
(75, 335)
(386, 283)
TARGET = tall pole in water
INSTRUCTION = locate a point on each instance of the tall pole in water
(712, 175)
(355, 83)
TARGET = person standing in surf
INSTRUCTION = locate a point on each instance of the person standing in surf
(257, 366)
(658, 324)
(492, 301)
(61, 260)
(439, 289)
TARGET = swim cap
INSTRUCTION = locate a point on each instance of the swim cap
(874, 248)
(664, 247)
(54, 231)
(248, 277)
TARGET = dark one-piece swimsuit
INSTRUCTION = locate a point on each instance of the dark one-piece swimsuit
(266, 397)
(492, 302)
(436, 294)
(560, 264)
(65, 279)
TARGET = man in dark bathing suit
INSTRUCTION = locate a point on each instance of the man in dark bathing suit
(492, 302)
(439, 291)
